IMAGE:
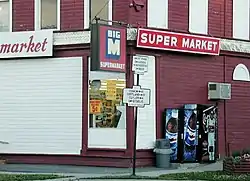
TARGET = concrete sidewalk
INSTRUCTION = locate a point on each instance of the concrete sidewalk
(82, 173)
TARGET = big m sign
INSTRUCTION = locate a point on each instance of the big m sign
(108, 48)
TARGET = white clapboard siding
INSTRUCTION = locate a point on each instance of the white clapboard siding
(198, 16)
(41, 106)
(157, 13)
(241, 19)
(146, 126)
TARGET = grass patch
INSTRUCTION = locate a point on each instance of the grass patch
(211, 176)
(24, 177)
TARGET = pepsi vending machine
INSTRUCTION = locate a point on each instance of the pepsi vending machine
(190, 133)
(171, 131)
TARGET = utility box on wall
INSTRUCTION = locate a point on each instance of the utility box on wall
(219, 91)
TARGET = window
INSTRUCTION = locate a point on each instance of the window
(5, 15)
(158, 13)
(99, 8)
(106, 109)
(198, 16)
(241, 19)
(47, 14)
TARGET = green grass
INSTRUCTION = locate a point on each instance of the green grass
(24, 177)
(210, 176)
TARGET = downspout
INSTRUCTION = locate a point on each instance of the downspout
(224, 74)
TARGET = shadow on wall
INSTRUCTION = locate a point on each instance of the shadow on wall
(241, 73)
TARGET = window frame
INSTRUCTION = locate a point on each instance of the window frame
(38, 15)
(87, 8)
(10, 15)
(149, 13)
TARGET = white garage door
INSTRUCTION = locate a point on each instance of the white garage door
(41, 106)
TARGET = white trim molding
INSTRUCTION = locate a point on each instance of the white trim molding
(37, 12)
(86, 14)
(11, 15)
(83, 37)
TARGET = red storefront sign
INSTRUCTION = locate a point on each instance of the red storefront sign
(163, 40)
(108, 48)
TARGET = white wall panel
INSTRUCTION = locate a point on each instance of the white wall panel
(198, 16)
(41, 106)
(146, 130)
(158, 13)
(241, 19)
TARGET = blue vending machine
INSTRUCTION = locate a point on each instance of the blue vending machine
(171, 131)
(190, 133)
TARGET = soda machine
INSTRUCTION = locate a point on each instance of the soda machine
(192, 131)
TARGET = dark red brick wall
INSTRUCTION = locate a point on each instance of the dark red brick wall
(220, 18)
(72, 15)
(182, 79)
(229, 18)
(122, 11)
(23, 15)
(237, 108)
(178, 15)
(216, 18)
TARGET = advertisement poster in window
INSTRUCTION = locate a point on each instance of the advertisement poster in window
(111, 90)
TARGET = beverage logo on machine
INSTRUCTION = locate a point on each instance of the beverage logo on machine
(108, 48)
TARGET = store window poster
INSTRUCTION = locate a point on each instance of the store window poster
(172, 131)
(190, 133)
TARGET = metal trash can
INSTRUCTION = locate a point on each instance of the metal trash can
(162, 151)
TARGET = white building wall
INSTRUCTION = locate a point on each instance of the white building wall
(198, 16)
(157, 13)
(241, 19)
(146, 125)
(41, 106)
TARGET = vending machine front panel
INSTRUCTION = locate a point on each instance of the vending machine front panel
(190, 133)
(171, 131)
(209, 134)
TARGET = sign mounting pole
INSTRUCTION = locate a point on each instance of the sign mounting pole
(136, 96)
(135, 130)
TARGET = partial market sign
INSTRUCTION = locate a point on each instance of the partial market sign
(136, 97)
(108, 48)
(164, 40)
(26, 44)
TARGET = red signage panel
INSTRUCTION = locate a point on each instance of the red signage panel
(163, 40)
(108, 48)
(112, 48)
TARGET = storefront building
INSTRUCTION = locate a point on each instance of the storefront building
(52, 86)
(58, 107)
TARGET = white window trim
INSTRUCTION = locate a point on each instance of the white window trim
(166, 16)
(10, 15)
(87, 15)
(38, 15)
